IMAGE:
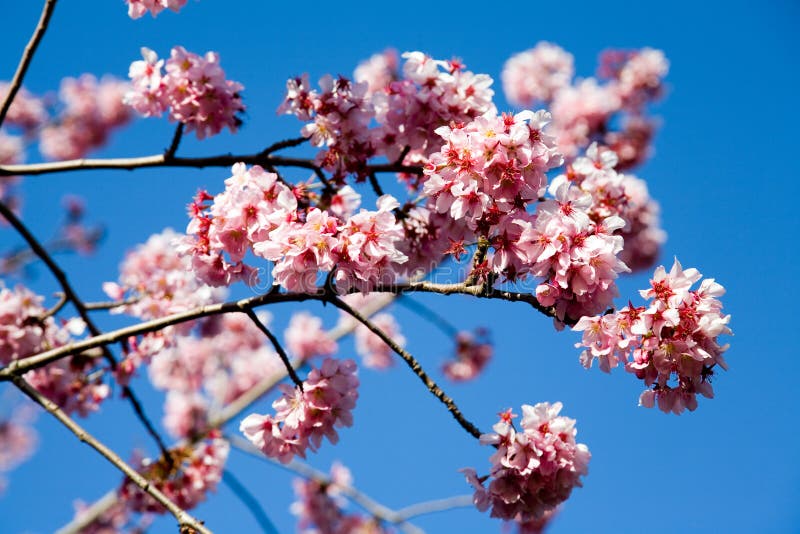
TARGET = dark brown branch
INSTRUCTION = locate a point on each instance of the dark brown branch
(72, 297)
(376, 186)
(62, 300)
(280, 145)
(278, 348)
(186, 521)
(176, 141)
(413, 364)
(27, 57)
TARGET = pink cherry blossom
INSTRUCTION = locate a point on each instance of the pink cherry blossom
(304, 416)
(378, 71)
(535, 75)
(193, 90)
(534, 468)
(27, 111)
(92, 109)
(138, 8)
(671, 343)
(473, 352)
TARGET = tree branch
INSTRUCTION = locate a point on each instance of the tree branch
(278, 348)
(186, 521)
(413, 364)
(160, 160)
(27, 57)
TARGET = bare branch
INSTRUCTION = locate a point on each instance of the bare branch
(160, 160)
(413, 364)
(176, 141)
(186, 521)
(278, 348)
(27, 57)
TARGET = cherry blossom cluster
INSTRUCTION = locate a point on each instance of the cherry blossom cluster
(91, 110)
(587, 110)
(473, 352)
(303, 416)
(12, 151)
(385, 114)
(622, 195)
(319, 507)
(27, 112)
(138, 8)
(259, 213)
(576, 257)
(191, 89)
(159, 280)
(487, 172)
(194, 472)
(26, 329)
(227, 359)
(671, 343)
(535, 467)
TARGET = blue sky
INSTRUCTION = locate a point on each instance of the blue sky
(721, 172)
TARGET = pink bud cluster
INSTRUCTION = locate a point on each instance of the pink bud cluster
(535, 468)
(193, 90)
(159, 280)
(319, 507)
(18, 441)
(473, 352)
(91, 110)
(24, 331)
(622, 195)
(613, 113)
(196, 470)
(228, 359)
(258, 213)
(138, 8)
(12, 151)
(671, 343)
(374, 352)
(304, 416)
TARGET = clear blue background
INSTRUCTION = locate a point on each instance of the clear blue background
(724, 172)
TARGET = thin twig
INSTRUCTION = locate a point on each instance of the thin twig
(185, 520)
(176, 141)
(376, 186)
(27, 57)
(278, 348)
(280, 145)
(110, 305)
(62, 300)
(413, 364)
(70, 294)
(250, 501)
